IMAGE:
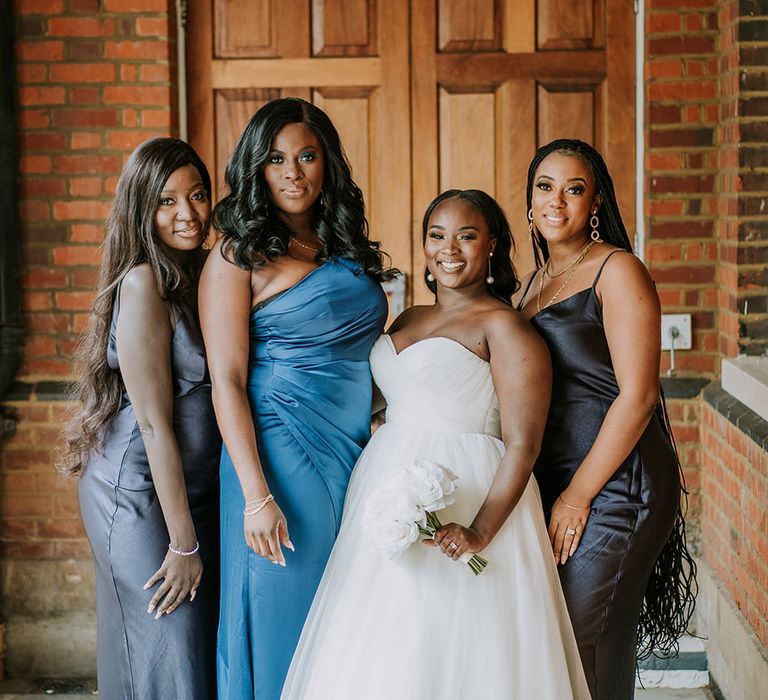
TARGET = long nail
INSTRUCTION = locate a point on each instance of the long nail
(159, 615)
(289, 544)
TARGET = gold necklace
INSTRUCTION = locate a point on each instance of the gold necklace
(301, 245)
(573, 267)
(567, 267)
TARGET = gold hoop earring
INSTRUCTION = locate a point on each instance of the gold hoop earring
(594, 222)
(489, 279)
(530, 220)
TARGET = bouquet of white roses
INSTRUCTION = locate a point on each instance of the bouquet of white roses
(404, 505)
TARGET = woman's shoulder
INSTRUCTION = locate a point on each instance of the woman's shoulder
(140, 281)
(522, 290)
(618, 266)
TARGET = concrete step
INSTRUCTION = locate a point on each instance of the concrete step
(686, 670)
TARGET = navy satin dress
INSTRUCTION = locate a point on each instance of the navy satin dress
(138, 657)
(632, 515)
(309, 386)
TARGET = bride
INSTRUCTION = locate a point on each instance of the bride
(467, 384)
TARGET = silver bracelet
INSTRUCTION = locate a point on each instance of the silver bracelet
(185, 554)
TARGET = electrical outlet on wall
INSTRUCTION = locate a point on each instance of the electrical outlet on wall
(681, 323)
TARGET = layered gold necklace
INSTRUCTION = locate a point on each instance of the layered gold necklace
(570, 269)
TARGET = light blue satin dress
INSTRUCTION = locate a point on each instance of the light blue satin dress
(309, 386)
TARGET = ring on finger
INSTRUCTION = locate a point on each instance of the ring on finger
(453, 546)
(570, 531)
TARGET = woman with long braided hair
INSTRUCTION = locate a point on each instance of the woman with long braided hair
(608, 471)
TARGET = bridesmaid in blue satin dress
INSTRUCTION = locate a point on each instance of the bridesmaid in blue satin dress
(290, 306)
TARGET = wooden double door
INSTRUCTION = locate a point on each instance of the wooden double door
(426, 94)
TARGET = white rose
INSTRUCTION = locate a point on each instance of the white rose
(392, 537)
(431, 484)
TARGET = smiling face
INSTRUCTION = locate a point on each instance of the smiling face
(563, 198)
(294, 170)
(457, 244)
(181, 220)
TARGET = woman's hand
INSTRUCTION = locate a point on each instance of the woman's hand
(455, 540)
(566, 526)
(181, 576)
(265, 531)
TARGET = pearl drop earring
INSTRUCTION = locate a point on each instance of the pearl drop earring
(489, 279)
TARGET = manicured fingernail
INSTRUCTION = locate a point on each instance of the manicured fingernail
(159, 615)
(289, 544)
(192, 596)
(282, 563)
(150, 608)
(145, 586)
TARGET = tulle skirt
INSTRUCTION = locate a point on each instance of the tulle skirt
(423, 626)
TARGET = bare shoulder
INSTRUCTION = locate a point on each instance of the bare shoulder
(505, 324)
(411, 314)
(140, 283)
(624, 273)
(219, 262)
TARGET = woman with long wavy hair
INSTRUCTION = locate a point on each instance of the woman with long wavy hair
(143, 439)
(290, 305)
(608, 471)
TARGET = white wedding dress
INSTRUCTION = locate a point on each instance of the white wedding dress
(423, 627)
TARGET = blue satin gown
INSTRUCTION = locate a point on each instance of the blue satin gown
(309, 386)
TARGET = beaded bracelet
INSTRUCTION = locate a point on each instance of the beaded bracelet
(253, 507)
(185, 554)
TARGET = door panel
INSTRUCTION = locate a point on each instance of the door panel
(426, 95)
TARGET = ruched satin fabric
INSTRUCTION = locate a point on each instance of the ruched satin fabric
(309, 387)
(138, 657)
(633, 514)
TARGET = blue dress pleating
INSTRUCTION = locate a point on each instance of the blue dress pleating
(309, 387)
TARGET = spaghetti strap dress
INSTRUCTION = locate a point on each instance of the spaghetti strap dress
(310, 389)
(138, 657)
(631, 517)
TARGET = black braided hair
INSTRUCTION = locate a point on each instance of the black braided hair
(253, 233)
(505, 281)
(670, 596)
(611, 226)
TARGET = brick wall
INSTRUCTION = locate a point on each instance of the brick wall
(734, 520)
(94, 78)
(681, 168)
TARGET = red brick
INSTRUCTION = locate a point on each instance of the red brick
(86, 233)
(31, 72)
(74, 301)
(152, 26)
(146, 95)
(85, 140)
(85, 186)
(35, 164)
(38, 301)
(155, 73)
(683, 90)
(160, 118)
(670, 68)
(84, 117)
(86, 277)
(32, 95)
(125, 6)
(80, 95)
(80, 26)
(85, 50)
(128, 72)
(145, 50)
(40, 7)
(84, 5)
(42, 187)
(128, 140)
(40, 50)
(41, 278)
(33, 118)
(684, 274)
(663, 22)
(87, 164)
(681, 45)
(82, 73)
(77, 255)
(43, 142)
(81, 209)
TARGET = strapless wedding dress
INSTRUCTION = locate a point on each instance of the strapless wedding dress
(422, 626)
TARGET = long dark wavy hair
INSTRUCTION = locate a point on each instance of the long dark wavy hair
(130, 240)
(251, 229)
(505, 281)
(671, 593)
